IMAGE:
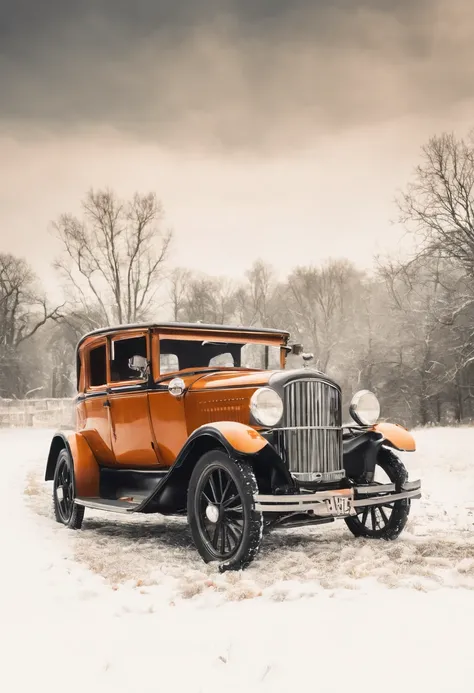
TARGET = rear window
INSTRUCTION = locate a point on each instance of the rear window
(97, 366)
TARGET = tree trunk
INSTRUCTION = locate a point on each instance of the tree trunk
(438, 409)
(459, 398)
(424, 414)
(423, 408)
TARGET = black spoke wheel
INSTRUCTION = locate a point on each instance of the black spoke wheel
(388, 520)
(65, 509)
(221, 511)
(221, 514)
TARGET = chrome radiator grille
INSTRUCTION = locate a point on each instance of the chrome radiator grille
(310, 439)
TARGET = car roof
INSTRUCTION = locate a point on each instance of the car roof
(198, 326)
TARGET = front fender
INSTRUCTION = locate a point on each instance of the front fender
(396, 436)
(360, 455)
(237, 439)
(86, 469)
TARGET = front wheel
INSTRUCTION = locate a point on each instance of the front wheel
(221, 511)
(65, 509)
(383, 521)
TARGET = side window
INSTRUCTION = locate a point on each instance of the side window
(168, 363)
(122, 350)
(97, 366)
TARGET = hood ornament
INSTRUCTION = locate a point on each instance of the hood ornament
(307, 357)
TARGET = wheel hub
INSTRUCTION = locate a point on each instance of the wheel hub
(212, 513)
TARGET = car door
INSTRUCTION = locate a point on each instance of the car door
(168, 413)
(96, 425)
(133, 440)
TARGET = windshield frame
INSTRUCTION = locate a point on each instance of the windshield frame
(217, 338)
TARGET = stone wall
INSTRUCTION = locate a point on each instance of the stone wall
(37, 413)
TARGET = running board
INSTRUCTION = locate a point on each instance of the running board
(115, 506)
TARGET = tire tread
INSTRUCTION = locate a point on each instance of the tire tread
(77, 515)
(389, 462)
(251, 542)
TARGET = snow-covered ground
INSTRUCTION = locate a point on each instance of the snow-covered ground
(126, 603)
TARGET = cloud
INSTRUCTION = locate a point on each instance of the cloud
(232, 74)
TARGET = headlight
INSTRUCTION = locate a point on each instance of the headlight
(365, 408)
(266, 406)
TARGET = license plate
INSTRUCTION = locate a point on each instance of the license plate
(338, 505)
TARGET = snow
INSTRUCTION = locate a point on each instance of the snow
(126, 603)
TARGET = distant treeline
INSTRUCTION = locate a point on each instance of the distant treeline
(405, 330)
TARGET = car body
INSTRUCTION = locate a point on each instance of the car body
(207, 421)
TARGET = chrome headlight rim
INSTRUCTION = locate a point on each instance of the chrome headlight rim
(357, 411)
(256, 409)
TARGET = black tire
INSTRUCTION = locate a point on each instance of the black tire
(224, 488)
(387, 521)
(66, 512)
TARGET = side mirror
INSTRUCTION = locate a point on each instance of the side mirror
(297, 349)
(140, 364)
(176, 387)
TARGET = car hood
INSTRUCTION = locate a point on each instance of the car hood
(226, 379)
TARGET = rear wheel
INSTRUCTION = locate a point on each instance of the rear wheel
(221, 511)
(65, 509)
(385, 521)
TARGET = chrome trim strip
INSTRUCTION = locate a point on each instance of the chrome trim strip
(389, 498)
(387, 488)
(411, 485)
(300, 503)
(319, 508)
(304, 498)
(103, 506)
(308, 428)
(316, 501)
(127, 388)
(319, 476)
(377, 488)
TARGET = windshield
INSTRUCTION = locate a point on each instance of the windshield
(176, 355)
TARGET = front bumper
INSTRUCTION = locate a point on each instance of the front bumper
(338, 503)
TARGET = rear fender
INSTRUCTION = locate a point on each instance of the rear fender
(395, 436)
(238, 441)
(86, 469)
(59, 442)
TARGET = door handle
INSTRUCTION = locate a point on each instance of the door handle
(110, 417)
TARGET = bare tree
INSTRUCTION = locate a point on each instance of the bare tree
(23, 311)
(114, 256)
(438, 209)
(208, 299)
(179, 282)
(256, 297)
(438, 205)
(321, 303)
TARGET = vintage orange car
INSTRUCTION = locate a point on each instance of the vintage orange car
(207, 421)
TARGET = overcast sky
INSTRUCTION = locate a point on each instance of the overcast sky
(268, 128)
